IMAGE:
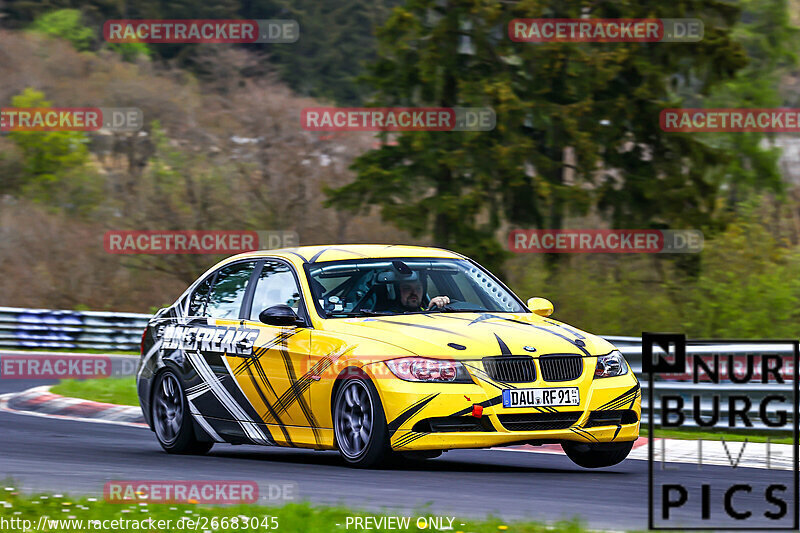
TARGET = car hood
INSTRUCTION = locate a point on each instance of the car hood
(471, 335)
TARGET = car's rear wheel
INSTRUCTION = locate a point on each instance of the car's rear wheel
(171, 418)
(359, 424)
(597, 455)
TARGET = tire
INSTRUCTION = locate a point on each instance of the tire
(597, 455)
(359, 424)
(172, 421)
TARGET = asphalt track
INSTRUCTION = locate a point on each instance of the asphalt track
(42, 454)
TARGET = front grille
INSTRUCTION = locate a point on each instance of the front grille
(539, 421)
(510, 369)
(561, 367)
(611, 418)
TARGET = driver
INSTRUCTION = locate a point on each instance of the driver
(410, 294)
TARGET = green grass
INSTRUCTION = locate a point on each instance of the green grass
(291, 518)
(120, 391)
(777, 437)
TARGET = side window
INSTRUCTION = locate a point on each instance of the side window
(197, 304)
(276, 285)
(225, 298)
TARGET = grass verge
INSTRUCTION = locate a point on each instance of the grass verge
(66, 514)
(120, 391)
(776, 437)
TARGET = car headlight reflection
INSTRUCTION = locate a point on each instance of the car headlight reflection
(611, 365)
(429, 370)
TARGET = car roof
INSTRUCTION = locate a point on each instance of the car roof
(337, 252)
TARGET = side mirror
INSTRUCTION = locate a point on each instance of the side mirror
(540, 306)
(280, 315)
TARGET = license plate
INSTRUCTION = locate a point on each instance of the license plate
(541, 397)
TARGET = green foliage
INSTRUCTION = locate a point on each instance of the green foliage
(766, 34)
(336, 41)
(55, 165)
(577, 124)
(130, 51)
(66, 24)
(747, 287)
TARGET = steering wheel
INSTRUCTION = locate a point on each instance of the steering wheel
(457, 305)
(436, 307)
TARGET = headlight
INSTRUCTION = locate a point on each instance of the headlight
(611, 365)
(429, 370)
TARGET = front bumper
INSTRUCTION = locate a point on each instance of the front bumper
(428, 416)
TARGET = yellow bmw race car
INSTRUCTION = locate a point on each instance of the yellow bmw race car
(374, 350)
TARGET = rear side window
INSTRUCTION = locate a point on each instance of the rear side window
(225, 298)
(197, 304)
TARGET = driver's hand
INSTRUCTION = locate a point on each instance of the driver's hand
(438, 301)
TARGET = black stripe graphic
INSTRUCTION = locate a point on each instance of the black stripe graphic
(433, 328)
(252, 363)
(504, 319)
(292, 375)
(583, 432)
(408, 439)
(622, 397)
(503, 346)
(298, 255)
(318, 254)
(483, 376)
(562, 326)
(395, 424)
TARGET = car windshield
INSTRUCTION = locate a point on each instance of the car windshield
(401, 286)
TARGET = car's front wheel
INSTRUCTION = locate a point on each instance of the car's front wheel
(171, 418)
(597, 455)
(359, 424)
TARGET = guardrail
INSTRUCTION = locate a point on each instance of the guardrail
(83, 330)
(755, 392)
(94, 330)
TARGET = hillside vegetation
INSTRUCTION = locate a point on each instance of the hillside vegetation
(222, 149)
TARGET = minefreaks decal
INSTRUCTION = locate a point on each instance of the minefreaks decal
(210, 339)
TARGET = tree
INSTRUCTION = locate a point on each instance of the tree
(66, 24)
(336, 41)
(577, 123)
(55, 164)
